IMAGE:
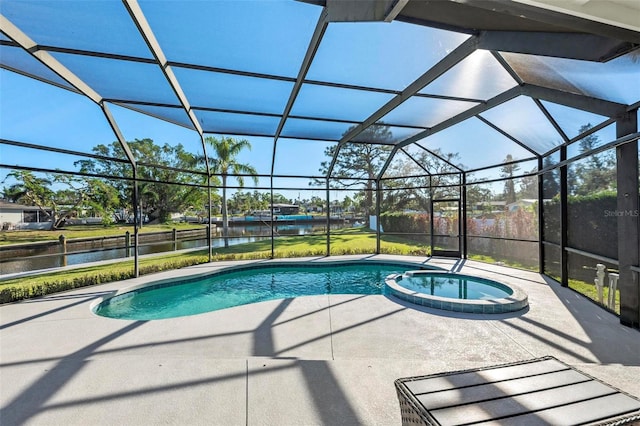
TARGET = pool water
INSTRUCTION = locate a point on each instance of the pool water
(241, 287)
(455, 286)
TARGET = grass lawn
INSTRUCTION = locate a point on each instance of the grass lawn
(85, 231)
(489, 259)
(345, 241)
(589, 290)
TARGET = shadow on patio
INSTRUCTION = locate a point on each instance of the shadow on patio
(239, 373)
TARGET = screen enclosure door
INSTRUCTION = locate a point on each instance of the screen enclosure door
(445, 228)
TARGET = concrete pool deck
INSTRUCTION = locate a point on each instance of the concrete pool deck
(328, 359)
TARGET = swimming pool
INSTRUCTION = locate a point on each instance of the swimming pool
(456, 292)
(247, 284)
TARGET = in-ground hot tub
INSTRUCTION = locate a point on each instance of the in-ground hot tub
(456, 292)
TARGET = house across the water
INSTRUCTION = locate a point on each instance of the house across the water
(19, 216)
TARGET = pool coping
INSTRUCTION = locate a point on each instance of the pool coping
(227, 269)
(517, 301)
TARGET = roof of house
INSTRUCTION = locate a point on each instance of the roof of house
(5, 205)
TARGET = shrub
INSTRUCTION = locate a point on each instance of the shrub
(14, 292)
(405, 223)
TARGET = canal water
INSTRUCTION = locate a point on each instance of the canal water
(50, 256)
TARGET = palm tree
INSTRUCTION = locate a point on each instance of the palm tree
(223, 162)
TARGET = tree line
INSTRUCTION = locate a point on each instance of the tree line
(171, 179)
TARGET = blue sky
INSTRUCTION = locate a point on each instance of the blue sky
(383, 55)
(38, 113)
